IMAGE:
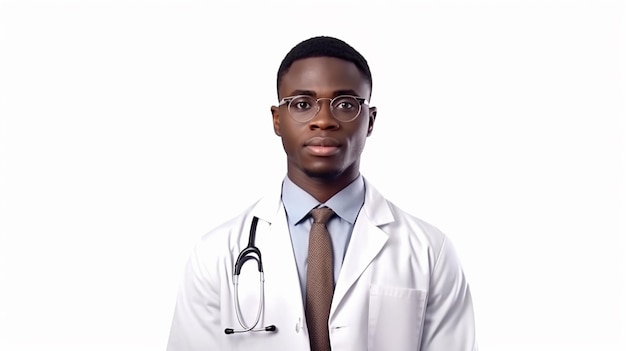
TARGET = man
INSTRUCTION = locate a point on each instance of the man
(361, 275)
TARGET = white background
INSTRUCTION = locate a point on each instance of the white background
(130, 128)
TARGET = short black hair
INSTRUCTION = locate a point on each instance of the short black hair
(324, 46)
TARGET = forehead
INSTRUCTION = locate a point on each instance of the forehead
(324, 76)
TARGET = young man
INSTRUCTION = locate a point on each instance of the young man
(361, 275)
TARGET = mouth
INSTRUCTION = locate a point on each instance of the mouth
(322, 146)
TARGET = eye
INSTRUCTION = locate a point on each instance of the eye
(302, 103)
(346, 104)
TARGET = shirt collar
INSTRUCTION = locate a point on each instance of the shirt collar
(346, 203)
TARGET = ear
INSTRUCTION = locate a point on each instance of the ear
(372, 119)
(275, 119)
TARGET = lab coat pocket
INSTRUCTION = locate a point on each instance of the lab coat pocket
(395, 319)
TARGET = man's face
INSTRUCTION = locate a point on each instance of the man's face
(323, 147)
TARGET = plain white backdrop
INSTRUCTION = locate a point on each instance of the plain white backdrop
(130, 128)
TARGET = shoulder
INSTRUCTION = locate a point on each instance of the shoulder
(237, 228)
(227, 234)
(405, 228)
(415, 229)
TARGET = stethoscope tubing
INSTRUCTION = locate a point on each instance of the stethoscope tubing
(242, 322)
(250, 252)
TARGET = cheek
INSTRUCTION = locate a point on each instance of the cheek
(289, 136)
(357, 141)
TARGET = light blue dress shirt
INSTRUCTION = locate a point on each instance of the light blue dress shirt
(298, 203)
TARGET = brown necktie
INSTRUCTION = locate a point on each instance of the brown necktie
(319, 280)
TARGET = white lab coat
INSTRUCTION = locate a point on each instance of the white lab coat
(401, 287)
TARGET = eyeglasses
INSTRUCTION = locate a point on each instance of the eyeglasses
(303, 108)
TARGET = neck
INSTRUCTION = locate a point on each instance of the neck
(322, 189)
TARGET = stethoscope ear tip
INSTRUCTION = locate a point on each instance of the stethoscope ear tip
(229, 331)
(271, 328)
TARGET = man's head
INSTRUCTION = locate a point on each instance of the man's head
(323, 46)
(322, 83)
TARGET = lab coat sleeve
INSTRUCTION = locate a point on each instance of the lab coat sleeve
(449, 320)
(196, 322)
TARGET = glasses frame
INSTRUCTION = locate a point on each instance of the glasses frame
(288, 99)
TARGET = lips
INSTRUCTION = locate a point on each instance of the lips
(322, 146)
(322, 141)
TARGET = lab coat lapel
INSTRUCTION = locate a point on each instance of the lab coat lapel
(279, 265)
(366, 242)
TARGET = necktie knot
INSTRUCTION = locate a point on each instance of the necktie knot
(321, 215)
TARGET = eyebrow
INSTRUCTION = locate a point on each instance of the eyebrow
(335, 93)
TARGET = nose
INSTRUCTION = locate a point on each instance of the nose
(324, 118)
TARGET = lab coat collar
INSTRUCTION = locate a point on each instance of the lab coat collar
(376, 207)
(268, 207)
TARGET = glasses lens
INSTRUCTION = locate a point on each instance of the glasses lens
(303, 108)
(346, 108)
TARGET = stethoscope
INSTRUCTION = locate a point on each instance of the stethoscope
(250, 252)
